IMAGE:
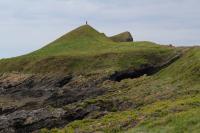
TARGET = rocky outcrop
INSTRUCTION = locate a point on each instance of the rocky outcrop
(24, 121)
(122, 37)
(145, 69)
(29, 103)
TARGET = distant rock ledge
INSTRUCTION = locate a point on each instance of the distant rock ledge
(122, 37)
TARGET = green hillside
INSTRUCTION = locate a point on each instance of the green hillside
(166, 102)
(85, 49)
(179, 112)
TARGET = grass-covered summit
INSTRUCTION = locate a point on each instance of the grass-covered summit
(83, 40)
(85, 49)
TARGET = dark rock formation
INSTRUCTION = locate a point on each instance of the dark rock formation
(144, 70)
(31, 102)
(24, 121)
(118, 76)
(122, 37)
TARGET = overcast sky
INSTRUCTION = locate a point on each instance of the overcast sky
(26, 25)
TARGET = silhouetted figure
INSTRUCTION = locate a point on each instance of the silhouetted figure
(86, 22)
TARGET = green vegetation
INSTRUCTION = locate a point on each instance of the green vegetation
(112, 122)
(171, 116)
(176, 101)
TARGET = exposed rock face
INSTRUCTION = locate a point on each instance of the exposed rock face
(144, 70)
(31, 102)
(122, 37)
(24, 121)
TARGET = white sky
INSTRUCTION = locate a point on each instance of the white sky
(26, 25)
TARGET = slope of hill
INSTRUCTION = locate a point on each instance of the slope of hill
(179, 112)
(85, 82)
(165, 102)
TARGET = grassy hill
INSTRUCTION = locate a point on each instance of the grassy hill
(167, 100)
(85, 49)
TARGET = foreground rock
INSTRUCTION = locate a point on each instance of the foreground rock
(25, 121)
(29, 103)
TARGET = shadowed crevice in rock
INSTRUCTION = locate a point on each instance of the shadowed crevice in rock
(118, 76)
(146, 69)
(63, 81)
